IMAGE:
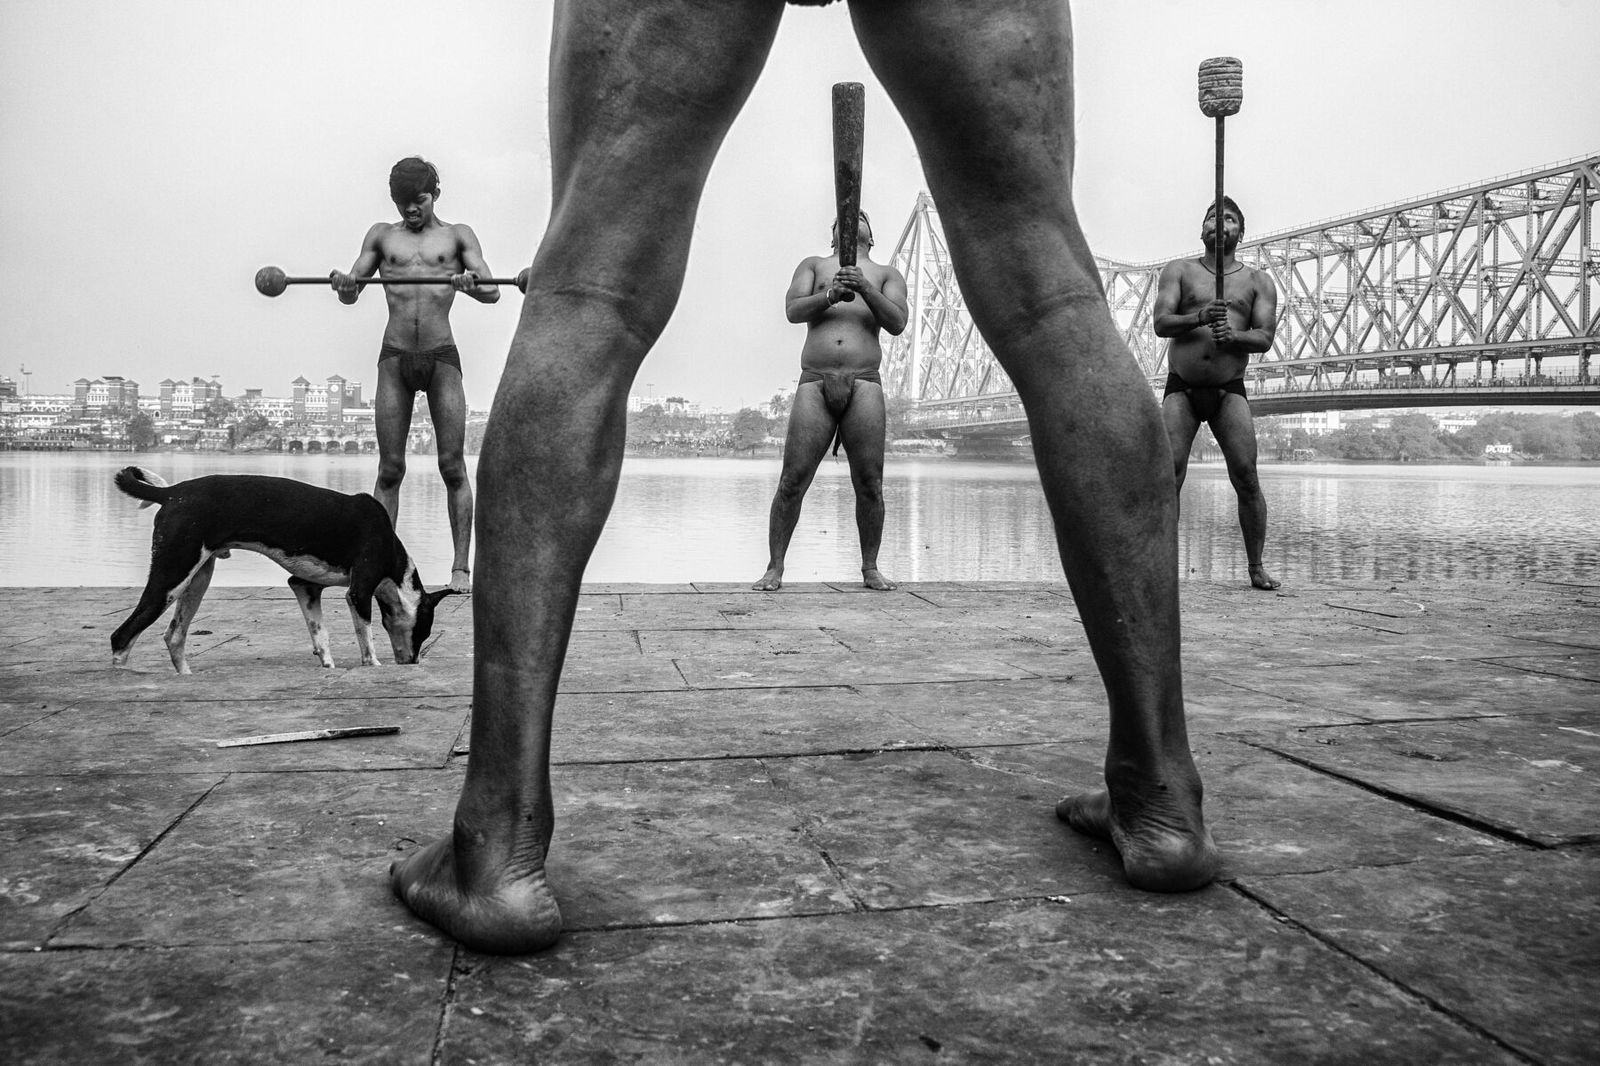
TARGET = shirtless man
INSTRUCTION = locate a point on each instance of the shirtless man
(419, 352)
(840, 395)
(1211, 343)
(636, 116)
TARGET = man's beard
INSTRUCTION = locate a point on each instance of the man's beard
(1229, 244)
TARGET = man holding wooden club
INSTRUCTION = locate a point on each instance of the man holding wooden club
(419, 351)
(642, 93)
(845, 301)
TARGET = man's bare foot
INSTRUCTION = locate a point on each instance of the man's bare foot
(499, 914)
(1259, 578)
(1166, 850)
(872, 579)
(461, 580)
(771, 581)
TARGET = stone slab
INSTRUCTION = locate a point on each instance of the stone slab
(994, 711)
(724, 723)
(933, 828)
(1404, 689)
(682, 842)
(63, 839)
(1087, 979)
(292, 1002)
(158, 737)
(1582, 666)
(1507, 943)
(270, 857)
(14, 716)
(1532, 778)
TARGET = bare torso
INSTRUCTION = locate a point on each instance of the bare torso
(1194, 355)
(419, 315)
(845, 336)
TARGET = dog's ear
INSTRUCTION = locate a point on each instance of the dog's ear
(432, 598)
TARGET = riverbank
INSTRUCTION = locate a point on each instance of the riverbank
(817, 825)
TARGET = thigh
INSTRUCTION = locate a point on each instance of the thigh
(1235, 431)
(809, 434)
(987, 93)
(642, 93)
(447, 407)
(1181, 424)
(392, 405)
(862, 430)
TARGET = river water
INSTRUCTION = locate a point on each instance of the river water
(63, 523)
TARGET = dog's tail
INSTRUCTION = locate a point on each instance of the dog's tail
(141, 484)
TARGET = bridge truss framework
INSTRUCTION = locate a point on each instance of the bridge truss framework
(1490, 287)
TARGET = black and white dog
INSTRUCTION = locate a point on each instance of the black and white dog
(320, 536)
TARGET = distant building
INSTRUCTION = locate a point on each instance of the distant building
(185, 400)
(92, 397)
(1316, 423)
(275, 409)
(1455, 423)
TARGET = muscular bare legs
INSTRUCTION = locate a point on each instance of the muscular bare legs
(392, 407)
(447, 406)
(1032, 285)
(1236, 436)
(989, 102)
(804, 445)
(810, 432)
(601, 288)
(862, 431)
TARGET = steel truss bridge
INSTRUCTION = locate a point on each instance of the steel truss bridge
(1486, 294)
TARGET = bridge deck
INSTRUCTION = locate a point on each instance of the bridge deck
(816, 826)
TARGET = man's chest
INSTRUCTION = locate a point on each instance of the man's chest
(1200, 288)
(434, 248)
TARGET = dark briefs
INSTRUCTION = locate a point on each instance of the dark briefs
(1204, 400)
(416, 368)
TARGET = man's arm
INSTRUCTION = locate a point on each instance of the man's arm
(1263, 317)
(1263, 320)
(800, 304)
(348, 285)
(888, 302)
(1169, 291)
(473, 267)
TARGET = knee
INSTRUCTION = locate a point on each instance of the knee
(792, 486)
(391, 472)
(454, 471)
(1245, 481)
(869, 490)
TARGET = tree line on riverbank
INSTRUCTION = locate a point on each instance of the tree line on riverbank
(1418, 438)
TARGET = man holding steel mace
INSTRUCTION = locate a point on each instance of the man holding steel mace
(642, 93)
(840, 394)
(419, 351)
(1216, 312)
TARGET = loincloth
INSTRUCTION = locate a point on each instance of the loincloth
(416, 368)
(838, 386)
(1204, 400)
(838, 389)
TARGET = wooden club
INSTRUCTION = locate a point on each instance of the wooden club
(1221, 95)
(849, 130)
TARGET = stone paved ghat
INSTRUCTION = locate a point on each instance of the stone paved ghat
(815, 826)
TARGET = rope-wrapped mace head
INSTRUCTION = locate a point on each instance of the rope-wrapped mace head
(1221, 86)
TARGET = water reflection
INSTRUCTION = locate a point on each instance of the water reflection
(62, 522)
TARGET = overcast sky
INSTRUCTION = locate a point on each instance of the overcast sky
(157, 152)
